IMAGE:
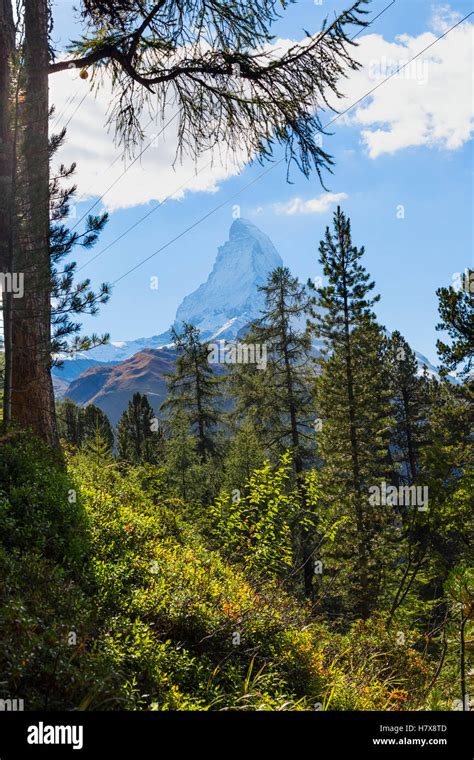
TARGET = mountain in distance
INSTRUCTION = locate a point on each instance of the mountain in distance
(229, 299)
(111, 386)
(221, 308)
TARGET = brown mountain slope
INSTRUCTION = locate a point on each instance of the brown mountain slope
(111, 387)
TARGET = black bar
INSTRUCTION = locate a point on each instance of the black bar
(168, 734)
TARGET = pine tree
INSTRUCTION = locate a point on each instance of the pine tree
(76, 425)
(139, 436)
(70, 422)
(98, 448)
(185, 471)
(193, 390)
(352, 404)
(409, 406)
(96, 421)
(277, 392)
(244, 456)
(457, 317)
(439, 538)
(70, 298)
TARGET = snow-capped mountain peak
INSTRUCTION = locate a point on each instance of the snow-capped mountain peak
(225, 303)
(230, 295)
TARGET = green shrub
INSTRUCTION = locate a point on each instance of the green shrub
(114, 601)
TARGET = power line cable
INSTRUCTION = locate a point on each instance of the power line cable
(136, 224)
(281, 160)
(125, 170)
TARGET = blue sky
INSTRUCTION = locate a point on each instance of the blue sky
(407, 147)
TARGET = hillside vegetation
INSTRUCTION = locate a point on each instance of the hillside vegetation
(111, 598)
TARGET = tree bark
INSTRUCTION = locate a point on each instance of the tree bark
(32, 393)
(7, 45)
(409, 436)
(462, 646)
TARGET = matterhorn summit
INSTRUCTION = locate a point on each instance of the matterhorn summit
(230, 299)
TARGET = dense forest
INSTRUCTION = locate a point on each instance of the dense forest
(291, 529)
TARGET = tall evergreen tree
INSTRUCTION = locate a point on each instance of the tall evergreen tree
(409, 396)
(139, 436)
(96, 423)
(70, 422)
(135, 42)
(193, 390)
(438, 539)
(457, 318)
(275, 393)
(278, 393)
(353, 406)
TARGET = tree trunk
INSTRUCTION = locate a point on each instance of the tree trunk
(409, 437)
(364, 603)
(464, 696)
(7, 44)
(32, 394)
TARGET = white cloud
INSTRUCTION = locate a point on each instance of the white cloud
(443, 18)
(152, 177)
(311, 206)
(426, 104)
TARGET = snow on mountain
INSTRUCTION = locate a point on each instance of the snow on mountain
(229, 299)
(221, 306)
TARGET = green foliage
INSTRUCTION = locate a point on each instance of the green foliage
(214, 567)
(259, 528)
(139, 436)
(138, 613)
(77, 426)
(188, 476)
(193, 393)
(352, 402)
(245, 454)
(44, 586)
(70, 298)
(457, 318)
(275, 398)
(409, 397)
(256, 528)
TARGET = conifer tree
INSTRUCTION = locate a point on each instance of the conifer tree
(278, 393)
(70, 422)
(457, 318)
(439, 537)
(245, 455)
(96, 421)
(353, 406)
(192, 389)
(275, 394)
(409, 406)
(138, 433)
(98, 448)
(76, 424)
(185, 471)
